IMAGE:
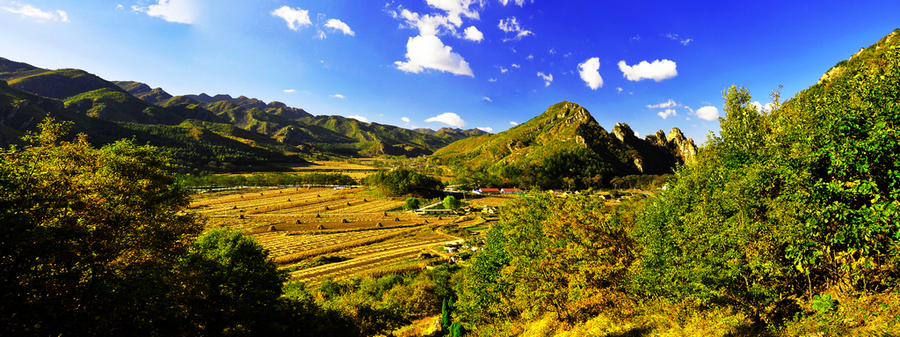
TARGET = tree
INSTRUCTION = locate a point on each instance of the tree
(411, 204)
(230, 284)
(450, 202)
(90, 236)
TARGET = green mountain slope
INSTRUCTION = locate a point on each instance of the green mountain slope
(565, 142)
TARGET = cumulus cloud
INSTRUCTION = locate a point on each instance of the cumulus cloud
(619, 90)
(518, 2)
(473, 34)
(668, 104)
(657, 71)
(338, 96)
(486, 129)
(429, 52)
(492, 80)
(457, 8)
(762, 108)
(296, 18)
(590, 74)
(513, 123)
(289, 90)
(511, 25)
(487, 99)
(359, 118)
(120, 7)
(404, 119)
(36, 13)
(448, 118)
(340, 25)
(667, 113)
(530, 57)
(503, 70)
(516, 66)
(709, 113)
(548, 78)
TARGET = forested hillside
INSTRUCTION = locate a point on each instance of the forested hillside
(564, 147)
(785, 223)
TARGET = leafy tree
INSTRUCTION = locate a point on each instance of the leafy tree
(450, 202)
(90, 236)
(401, 181)
(230, 284)
(411, 204)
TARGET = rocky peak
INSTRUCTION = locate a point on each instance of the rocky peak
(622, 131)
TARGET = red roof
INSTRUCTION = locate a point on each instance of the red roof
(490, 190)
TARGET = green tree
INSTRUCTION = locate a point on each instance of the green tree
(450, 202)
(231, 286)
(411, 204)
(90, 237)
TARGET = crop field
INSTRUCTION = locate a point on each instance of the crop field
(298, 225)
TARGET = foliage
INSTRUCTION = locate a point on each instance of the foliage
(450, 202)
(568, 257)
(86, 231)
(787, 204)
(400, 181)
(411, 204)
(230, 284)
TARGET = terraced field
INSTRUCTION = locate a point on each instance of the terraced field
(299, 224)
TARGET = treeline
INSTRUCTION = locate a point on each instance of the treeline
(265, 179)
(402, 181)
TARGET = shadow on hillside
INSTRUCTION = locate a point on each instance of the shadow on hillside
(755, 329)
(636, 332)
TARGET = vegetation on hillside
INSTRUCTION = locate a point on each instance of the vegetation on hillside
(400, 182)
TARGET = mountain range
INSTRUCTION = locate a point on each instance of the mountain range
(224, 132)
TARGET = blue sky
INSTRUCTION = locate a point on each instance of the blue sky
(463, 63)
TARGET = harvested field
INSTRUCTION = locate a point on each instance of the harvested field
(297, 224)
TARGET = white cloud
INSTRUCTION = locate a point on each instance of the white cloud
(473, 34)
(338, 96)
(552, 51)
(676, 38)
(762, 108)
(36, 13)
(359, 118)
(513, 123)
(404, 119)
(448, 118)
(667, 104)
(120, 7)
(511, 25)
(590, 74)
(568, 54)
(486, 129)
(619, 90)
(487, 99)
(636, 38)
(667, 113)
(296, 18)
(492, 80)
(516, 66)
(289, 90)
(503, 70)
(455, 8)
(709, 113)
(518, 2)
(547, 78)
(530, 57)
(429, 52)
(657, 71)
(340, 25)
(178, 11)
(637, 134)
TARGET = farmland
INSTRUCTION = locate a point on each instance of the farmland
(365, 234)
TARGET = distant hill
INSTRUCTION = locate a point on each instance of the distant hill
(566, 142)
(152, 114)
